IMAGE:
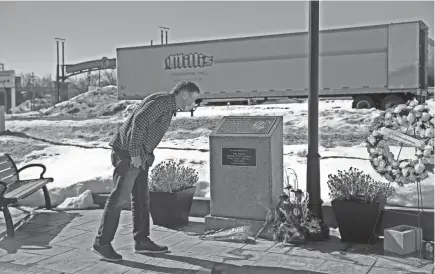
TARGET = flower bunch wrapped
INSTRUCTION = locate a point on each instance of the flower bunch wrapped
(294, 223)
(410, 118)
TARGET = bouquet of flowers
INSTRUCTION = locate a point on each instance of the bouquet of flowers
(294, 223)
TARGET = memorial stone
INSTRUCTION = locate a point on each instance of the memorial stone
(246, 169)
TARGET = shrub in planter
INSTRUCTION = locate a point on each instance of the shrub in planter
(172, 186)
(357, 201)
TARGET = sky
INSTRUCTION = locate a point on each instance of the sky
(95, 29)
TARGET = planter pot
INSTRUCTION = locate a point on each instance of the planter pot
(356, 220)
(171, 209)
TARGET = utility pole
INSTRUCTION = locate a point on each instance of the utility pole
(63, 60)
(313, 161)
(166, 33)
(89, 78)
(57, 66)
(32, 82)
(57, 72)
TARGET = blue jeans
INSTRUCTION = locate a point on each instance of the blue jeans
(129, 182)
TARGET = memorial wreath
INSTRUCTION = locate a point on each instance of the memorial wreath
(399, 123)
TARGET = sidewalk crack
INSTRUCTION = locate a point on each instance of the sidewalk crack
(373, 265)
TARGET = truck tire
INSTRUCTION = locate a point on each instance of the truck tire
(363, 101)
(391, 101)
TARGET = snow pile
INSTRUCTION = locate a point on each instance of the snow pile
(94, 103)
(75, 170)
(84, 201)
(38, 104)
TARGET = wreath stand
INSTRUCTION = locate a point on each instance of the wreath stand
(420, 211)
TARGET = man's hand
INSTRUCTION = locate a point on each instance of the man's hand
(136, 161)
(150, 159)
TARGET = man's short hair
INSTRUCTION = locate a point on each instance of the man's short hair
(187, 85)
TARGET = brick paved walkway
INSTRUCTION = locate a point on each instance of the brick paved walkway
(60, 242)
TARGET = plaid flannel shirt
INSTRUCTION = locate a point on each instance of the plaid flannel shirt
(144, 129)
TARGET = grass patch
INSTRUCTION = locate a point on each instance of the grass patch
(185, 128)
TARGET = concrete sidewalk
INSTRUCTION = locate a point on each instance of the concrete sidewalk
(60, 242)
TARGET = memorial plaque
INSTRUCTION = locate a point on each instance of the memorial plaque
(239, 157)
(246, 125)
(246, 170)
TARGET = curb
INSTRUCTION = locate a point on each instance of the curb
(392, 216)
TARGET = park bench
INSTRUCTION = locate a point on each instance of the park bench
(12, 189)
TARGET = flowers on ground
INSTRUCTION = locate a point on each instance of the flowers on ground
(293, 222)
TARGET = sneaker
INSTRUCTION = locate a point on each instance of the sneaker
(107, 253)
(148, 246)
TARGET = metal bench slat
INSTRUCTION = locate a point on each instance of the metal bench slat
(10, 180)
(4, 158)
(6, 165)
(26, 188)
(8, 176)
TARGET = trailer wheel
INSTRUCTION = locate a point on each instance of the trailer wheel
(363, 101)
(391, 101)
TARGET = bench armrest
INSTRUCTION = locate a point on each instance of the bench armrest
(34, 165)
(3, 188)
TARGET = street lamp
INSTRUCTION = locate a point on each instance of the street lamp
(313, 157)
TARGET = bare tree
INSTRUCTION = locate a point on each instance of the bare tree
(26, 79)
(110, 77)
(44, 81)
(83, 81)
(80, 83)
(47, 81)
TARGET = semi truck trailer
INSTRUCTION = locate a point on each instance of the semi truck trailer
(379, 66)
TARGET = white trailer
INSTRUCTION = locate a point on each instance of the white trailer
(379, 66)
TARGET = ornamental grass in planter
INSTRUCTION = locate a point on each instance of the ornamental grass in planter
(172, 186)
(357, 202)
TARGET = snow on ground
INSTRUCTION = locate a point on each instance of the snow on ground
(83, 201)
(336, 120)
(77, 170)
(36, 104)
(94, 103)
